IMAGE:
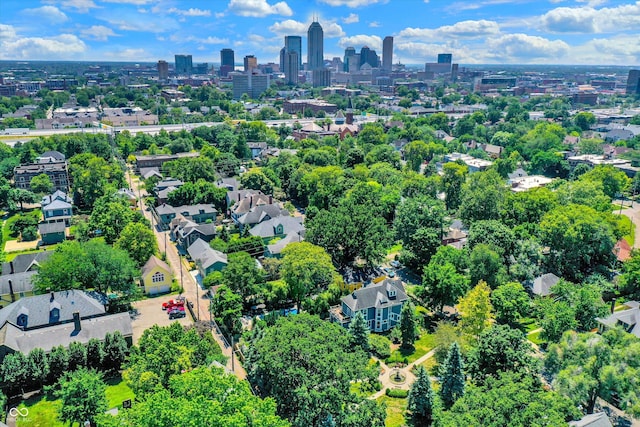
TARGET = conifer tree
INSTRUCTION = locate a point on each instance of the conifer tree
(359, 332)
(408, 324)
(421, 399)
(452, 381)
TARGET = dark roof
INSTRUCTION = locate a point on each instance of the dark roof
(25, 262)
(88, 304)
(51, 227)
(20, 282)
(200, 251)
(261, 213)
(54, 154)
(599, 419)
(376, 295)
(290, 224)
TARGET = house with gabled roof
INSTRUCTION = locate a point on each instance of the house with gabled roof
(156, 276)
(206, 258)
(542, 285)
(380, 303)
(628, 319)
(185, 232)
(261, 213)
(278, 228)
(16, 280)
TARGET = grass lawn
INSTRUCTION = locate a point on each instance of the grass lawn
(395, 248)
(430, 364)
(529, 324)
(9, 256)
(6, 232)
(43, 409)
(627, 225)
(420, 348)
(616, 207)
(535, 338)
(395, 411)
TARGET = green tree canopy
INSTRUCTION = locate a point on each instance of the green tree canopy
(139, 241)
(41, 184)
(83, 396)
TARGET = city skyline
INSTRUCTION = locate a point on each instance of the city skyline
(483, 32)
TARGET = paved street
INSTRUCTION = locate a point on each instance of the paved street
(180, 269)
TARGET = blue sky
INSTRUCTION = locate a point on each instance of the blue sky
(481, 31)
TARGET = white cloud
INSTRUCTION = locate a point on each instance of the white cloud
(462, 29)
(352, 3)
(374, 42)
(190, 12)
(592, 3)
(129, 54)
(374, 24)
(290, 27)
(526, 48)
(258, 8)
(351, 19)
(98, 32)
(49, 13)
(142, 22)
(590, 20)
(80, 6)
(134, 2)
(63, 46)
(177, 38)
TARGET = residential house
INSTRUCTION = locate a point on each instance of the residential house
(156, 276)
(185, 232)
(57, 195)
(274, 250)
(248, 202)
(455, 237)
(257, 149)
(234, 196)
(166, 186)
(231, 184)
(261, 213)
(542, 285)
(52, 232)
(58, 318)
(628, 319)
(57, 211)
(129, 196)
(57, 171)
(17, 275)
(157, 160)
(206, 258)
(622, 250)
(516, 175)
(278, 228)
(597, 419)
(147, 173)
(198, 214)
(380, 304)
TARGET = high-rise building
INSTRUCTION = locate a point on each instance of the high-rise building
(294, 44)
(387, 53)
(368, 56)
(163, 70)
(227, 61)
(291, 67)
(633, 82)
(250, 63)
(184, 65)
(201, 69)
(315, 46)
(321, 77)
(253, 84)
(349, 53)
(445, 58)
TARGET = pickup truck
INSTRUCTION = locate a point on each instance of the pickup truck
(178, 302)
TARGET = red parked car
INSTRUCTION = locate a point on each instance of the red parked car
(178, 302)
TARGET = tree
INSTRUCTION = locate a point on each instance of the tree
(452, 381)
(584, 120)
(139, 241)
(408, 324)
(587, 366)
(242, 275)
(227, 306)
(494, 233)
(77, 356)
(421, 399)
(500, 349)
(83, 396)
(110, 215)
(41, 184)
(307, 366)
(14, 373)
(58, 359)
(442, 285)
(95, 354)
(255, 179)
(476, 310)
(454, 177)
(614, 181)
(359, 332)
(38, 367)
(486, 264)
(115, 351)
(482, 196)
(93, 177)
(305, 268)
(585, 300)
(580, 239)
(511, 303)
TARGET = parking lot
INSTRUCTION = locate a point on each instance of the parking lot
(149, 312)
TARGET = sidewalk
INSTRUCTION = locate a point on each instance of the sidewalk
(385, 375)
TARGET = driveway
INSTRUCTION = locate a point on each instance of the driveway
(149, 312)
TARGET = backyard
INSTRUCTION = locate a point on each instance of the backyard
(421, 347)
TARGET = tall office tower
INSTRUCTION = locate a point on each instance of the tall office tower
(368, 56)
(387, 53)
(349, 53)
(163, 70)
(315, 46)
(294, 44)
(321, 77)
(633, 82)
(184, 65)
(291, 67)
(454, 72)
(253, 84)
(250, 63)
(227, 62)
(444, 58)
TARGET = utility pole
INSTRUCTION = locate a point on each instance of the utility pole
(233, 368)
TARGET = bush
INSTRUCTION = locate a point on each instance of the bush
(397, 393)
(380, 346)
(29, 234)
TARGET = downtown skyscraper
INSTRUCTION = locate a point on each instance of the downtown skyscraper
(387, 53)
(315, 47)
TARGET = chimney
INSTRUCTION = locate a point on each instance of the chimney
(238, 196)
(13, 296)
(76, 322)
(11, 265)
(613, 305)
(270, 200)
(251, 202)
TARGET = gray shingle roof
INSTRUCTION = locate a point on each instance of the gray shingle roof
(56, 204)
(290, 224)
(200, 251)
(542, 285)
(599, 419)
(88, 304)
(629, 319)
(25, 262)
(20, 282)
(51, 227)
(376, 295)
(262, 213)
